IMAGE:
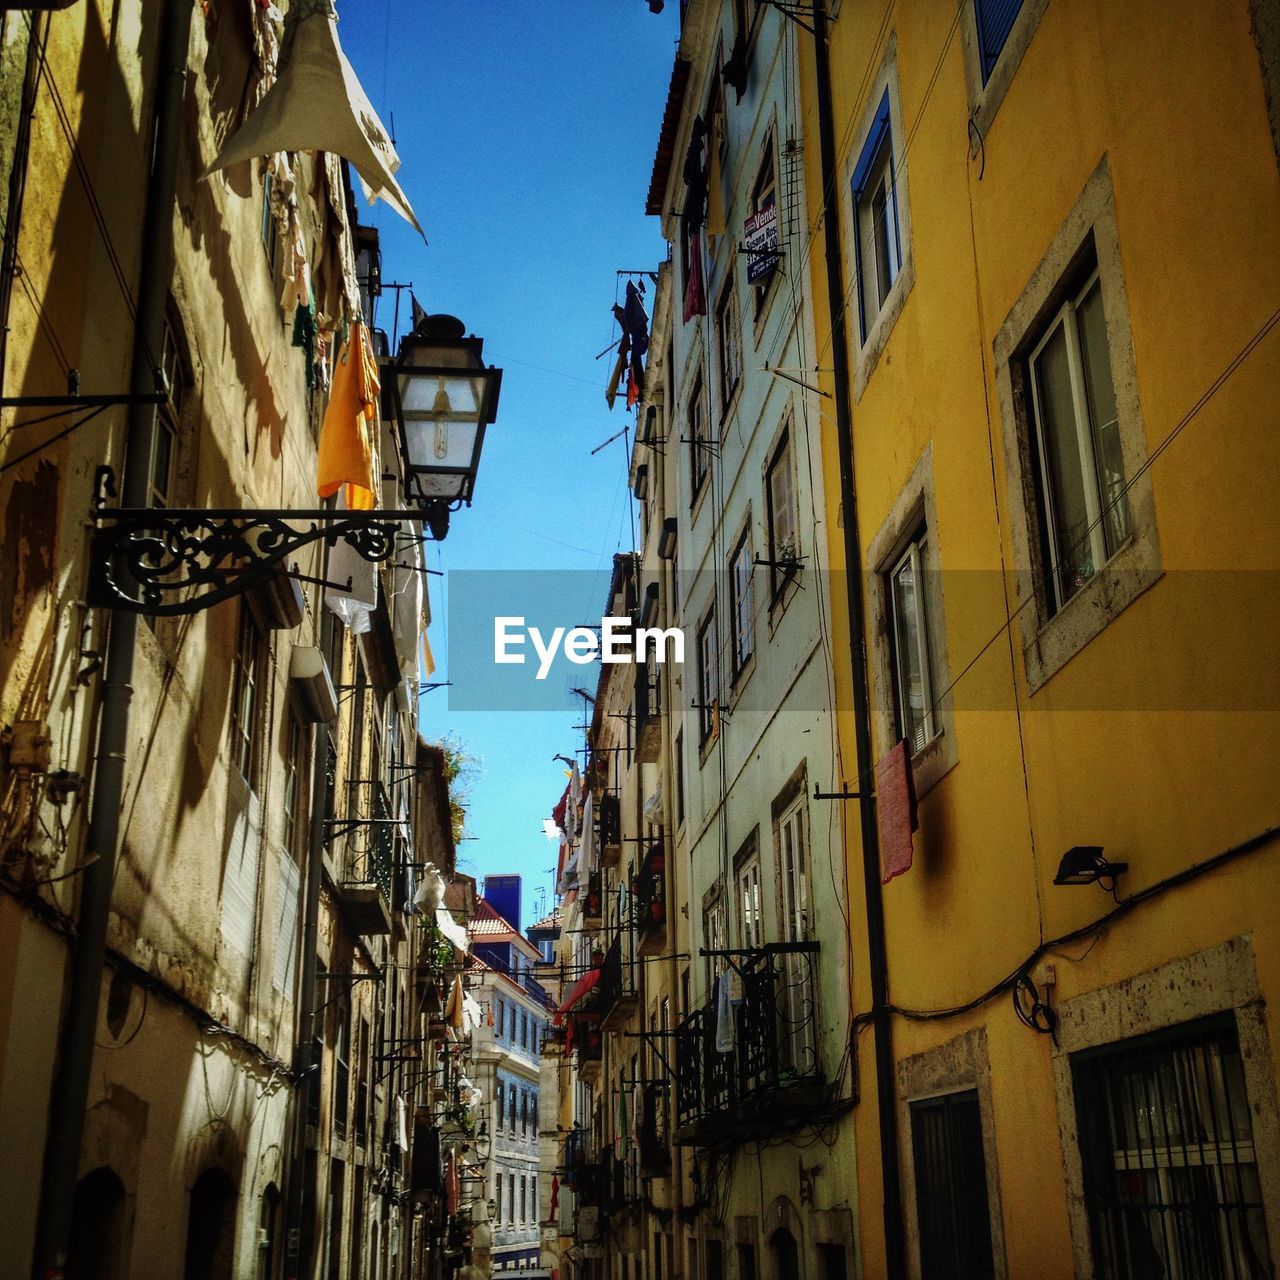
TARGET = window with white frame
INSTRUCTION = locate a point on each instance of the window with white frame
(708, 678)
(168, 419)
(1080, 462)
(780, 510)
(728, 343)
(747, 881)
(740, 568)
(699, 444)
(295, 742)
(715, 931)
(909, 626)
(877, 231)
(246, 696)
(793, 868)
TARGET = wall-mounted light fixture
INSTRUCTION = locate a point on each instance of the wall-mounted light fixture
(1084, 864)
(168, 562)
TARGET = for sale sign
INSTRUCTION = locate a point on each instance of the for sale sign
(761, 234)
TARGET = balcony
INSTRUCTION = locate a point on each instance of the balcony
(367, 879)
(610, 810)
(651, 902)
(771, 1078)
(586, 1040)
(648, 712)
(593, 903)
(617, 988)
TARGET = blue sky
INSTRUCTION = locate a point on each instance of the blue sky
(526, 131)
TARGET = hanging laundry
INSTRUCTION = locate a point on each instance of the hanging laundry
(454, 1008)
(695, 176)
(347, 453)
(587, 850)
(304, 336)
(738, 68)
(317, 104)
(724, 1016)
(896, 797)
(353, 590)
(695, 297)
(619, 368)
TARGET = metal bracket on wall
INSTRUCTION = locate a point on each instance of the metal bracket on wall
(169, 562)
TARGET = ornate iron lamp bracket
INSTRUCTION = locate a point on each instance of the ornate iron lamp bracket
(171, 562)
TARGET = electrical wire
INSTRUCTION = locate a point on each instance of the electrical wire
(1095, 927)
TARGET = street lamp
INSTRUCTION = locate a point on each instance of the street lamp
(444, 398)
(440, 397)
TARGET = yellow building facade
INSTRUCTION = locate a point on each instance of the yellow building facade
(1059, 231)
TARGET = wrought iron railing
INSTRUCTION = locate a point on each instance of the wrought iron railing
(770, 1061)
(617, 977)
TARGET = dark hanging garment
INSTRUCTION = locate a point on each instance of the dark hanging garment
(735, 71)
(619, 368)
(695, 176)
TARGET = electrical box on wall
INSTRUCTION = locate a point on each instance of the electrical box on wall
(27, 746)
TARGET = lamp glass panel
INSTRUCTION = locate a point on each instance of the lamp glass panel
(421, 393)
(443, 443)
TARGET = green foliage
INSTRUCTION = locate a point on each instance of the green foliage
(460, 768)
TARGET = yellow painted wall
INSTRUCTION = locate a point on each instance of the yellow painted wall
(1158, 740)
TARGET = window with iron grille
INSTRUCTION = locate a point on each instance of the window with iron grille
(1167, 1149)
(951, 1188)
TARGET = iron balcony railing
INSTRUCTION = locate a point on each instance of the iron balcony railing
(651, 893)
(756, 1065)
(617, 987)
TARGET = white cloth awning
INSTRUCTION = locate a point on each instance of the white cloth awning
(318, 104)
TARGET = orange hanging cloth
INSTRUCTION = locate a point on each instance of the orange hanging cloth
(348, 438)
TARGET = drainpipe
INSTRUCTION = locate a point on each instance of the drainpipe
(299, 1229)
(886, 1093)
(80, 1019)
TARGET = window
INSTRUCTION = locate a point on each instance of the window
(497, 1212)
(294, 770)
(699, 444)
(747, 876)
(762, 269)
(728, 343)
(746, 1261)
(1167, 1148)
(951, 1188)
(679, 779)
(715, 931)
(994, 20)
(168, 419)
(784, 544)
(912, 682)
(511, 1194)
(499, 1106)
(708, 679)
(877, 235)
(245, 696)
(1083, 510)
(511, 1023)
(797, 1029)
(740, 569)
(1080, 491)
(342, 1071)
(524, 1199)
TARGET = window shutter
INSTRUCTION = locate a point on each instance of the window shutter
(289, 882)
(240, 884)
(995, 20)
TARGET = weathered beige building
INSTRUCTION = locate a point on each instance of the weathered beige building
(257, 1077)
